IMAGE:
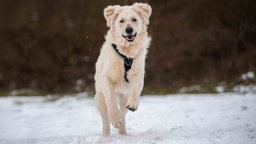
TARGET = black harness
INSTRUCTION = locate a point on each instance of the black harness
(127, 62)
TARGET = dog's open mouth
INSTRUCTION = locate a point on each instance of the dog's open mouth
(130, 38)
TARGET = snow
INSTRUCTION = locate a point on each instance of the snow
(219, 89)
(226, 118)
(248, 75)
(244, 88)
(192, 88)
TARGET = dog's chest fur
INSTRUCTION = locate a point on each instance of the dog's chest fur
(118, 73)
(109, 65)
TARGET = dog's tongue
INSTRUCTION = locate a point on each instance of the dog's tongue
(130, 36)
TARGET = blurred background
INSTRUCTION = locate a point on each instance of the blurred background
(51, 46)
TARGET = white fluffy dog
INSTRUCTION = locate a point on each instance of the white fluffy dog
(120, 67)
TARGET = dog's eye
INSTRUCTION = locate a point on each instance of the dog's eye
(134, 19)
(121, 21)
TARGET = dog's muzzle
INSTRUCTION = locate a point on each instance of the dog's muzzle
(130, 37)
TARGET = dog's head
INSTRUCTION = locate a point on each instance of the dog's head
(128, 21)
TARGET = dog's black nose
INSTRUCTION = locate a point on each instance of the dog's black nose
(129, 30)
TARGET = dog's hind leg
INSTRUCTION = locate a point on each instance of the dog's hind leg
(104, 113)
(122, 103)
(111, 102)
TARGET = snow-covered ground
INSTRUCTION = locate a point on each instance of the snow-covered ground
(171, 119)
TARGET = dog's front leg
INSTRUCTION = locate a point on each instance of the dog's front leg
(133, 100)
(111, 101)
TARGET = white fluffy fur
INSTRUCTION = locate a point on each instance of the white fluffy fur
(113, 93)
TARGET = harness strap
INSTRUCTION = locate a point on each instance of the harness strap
(127, 61)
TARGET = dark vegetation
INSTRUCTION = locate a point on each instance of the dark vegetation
(52, 45)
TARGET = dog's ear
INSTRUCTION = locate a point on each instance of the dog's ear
(144, 10)
(110, 13)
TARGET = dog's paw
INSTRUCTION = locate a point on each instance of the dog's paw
(115, 120)
(106, 133)
(123, 133)
(131, 108)
(132, 105)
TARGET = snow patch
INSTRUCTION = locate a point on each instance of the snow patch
(245, 88)
(248, 75)
(192, 88)
(219, 89)
(180, 119)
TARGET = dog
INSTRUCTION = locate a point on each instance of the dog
(120, 67)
